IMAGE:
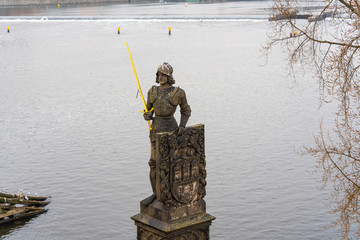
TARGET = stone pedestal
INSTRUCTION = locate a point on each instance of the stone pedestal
(192, 228)
(179, 210)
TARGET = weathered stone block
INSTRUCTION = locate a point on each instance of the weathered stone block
(179, 210)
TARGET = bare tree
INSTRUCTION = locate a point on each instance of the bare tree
(326, 37)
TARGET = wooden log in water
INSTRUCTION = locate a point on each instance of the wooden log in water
(5, 207)
(30, 197)
(14, 207)
(23, 202)
(19, 213)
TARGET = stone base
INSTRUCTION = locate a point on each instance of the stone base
(191, 228)
(165, 213)
(179, 211)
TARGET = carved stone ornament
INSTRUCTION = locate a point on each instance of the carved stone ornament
(198, 234)
(179, 210)
(180, 166)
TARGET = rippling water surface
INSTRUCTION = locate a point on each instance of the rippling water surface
(71, 127)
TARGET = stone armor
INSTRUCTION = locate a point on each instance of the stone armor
(165, 103)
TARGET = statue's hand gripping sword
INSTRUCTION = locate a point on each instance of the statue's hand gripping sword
(138, 84)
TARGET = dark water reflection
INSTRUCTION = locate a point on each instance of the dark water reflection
(14, 226)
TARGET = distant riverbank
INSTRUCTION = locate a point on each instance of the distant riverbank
(52, 2)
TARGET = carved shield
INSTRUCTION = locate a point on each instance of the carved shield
(185, 179)
(180, 166)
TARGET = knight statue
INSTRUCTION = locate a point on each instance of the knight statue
(164, 99)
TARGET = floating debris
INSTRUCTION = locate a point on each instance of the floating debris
(289, 15)
(320, 17)
(296, 15)
(14, 207)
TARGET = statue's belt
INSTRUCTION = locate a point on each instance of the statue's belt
(164, 117)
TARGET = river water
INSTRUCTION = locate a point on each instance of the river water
(71, 127)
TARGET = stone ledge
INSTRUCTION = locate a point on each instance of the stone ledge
(168, 214)
(167, 227)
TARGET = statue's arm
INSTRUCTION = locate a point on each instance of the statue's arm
(149, 115)
(185, 109)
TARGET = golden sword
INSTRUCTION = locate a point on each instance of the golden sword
(138, 84)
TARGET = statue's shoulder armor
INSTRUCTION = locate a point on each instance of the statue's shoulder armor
(173, 99)
(153, 93)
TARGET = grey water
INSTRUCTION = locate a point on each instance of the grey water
(71, 128)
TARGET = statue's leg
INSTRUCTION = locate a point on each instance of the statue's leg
(152, 164)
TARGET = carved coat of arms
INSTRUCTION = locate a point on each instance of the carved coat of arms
(180, 166)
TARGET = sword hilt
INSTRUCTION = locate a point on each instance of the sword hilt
(148, 120)
(147, 111)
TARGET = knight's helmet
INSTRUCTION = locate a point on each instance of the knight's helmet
(166, 69)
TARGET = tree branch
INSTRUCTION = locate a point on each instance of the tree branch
(333, 162)
(350, 7)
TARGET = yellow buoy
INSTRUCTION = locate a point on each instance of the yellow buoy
(296, 32)
(169, 30)
(58, 5)
(8, 29)
(185, 4)
(118, 30)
